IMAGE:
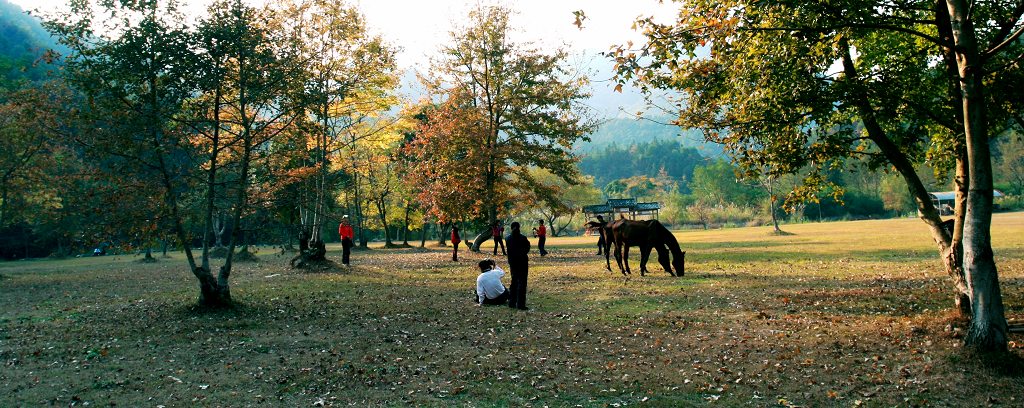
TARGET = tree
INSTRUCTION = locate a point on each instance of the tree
(27, 121)
(525, 108)
(643, 158)
(446, 162)
(561, 201)
(249, 81)
(160, 109)
(347, 81)
(757, 77)
(135, 72)
(716, 183)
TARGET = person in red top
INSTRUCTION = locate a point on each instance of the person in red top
(496, 232)
(456, 239)
(346, 233)
(542, 234)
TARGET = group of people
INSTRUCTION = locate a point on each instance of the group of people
(498, 235)
(489, 289)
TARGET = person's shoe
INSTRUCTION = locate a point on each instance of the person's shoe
(523, 308)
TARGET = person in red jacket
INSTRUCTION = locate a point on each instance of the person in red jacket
(497, 231)
(346, 233)
(456, 239)
(542, 234)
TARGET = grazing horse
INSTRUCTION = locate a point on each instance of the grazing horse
(646, 235)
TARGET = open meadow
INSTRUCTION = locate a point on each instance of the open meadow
(835, 314)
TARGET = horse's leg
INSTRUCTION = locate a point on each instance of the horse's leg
(607, 247)
(664, 260)
(618, 257)
(607, 255)
(626, 257)
(645, 254)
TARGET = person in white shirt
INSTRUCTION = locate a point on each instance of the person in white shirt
(489, 289)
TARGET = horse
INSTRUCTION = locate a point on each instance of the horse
(646, 235)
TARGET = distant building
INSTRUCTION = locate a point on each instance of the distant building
(945, 201)
(626, 207)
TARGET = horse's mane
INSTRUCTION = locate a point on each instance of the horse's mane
(667, 236)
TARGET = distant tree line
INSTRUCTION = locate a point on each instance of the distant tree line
(700, 191)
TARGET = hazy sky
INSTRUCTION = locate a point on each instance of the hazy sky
(419, 27)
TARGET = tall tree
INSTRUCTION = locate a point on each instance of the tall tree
(348, 81)
(133, 62)
(445, 161)
(761, 79)
(148, 77)
(248, 83)
(528, 108)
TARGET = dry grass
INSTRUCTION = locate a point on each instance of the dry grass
(837, 314)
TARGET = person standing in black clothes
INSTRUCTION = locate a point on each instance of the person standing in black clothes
(600, 234)
(518, 263)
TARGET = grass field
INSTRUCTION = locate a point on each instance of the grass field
(836, 314)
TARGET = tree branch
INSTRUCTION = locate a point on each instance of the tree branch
(1006, 43)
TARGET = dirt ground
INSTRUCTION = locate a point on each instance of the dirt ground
(835, 314)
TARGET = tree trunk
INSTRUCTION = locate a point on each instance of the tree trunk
(953, 255)
(242, 199)
(211, 294)
(480, 239)
(360, 233)
(926, 210)
(775, 218)
(988, 332)
(149, 255)
(405, 230)
(423, 235)
(954, 259)
(442, 238)
(219, 227)
(381, 205)
(211, 179)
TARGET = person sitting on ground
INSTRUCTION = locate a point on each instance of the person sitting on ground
(489, 289)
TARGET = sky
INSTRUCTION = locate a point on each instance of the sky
(421, 27)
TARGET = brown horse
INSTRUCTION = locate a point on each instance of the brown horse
(646, 235)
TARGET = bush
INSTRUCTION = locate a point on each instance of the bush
(1010, 203)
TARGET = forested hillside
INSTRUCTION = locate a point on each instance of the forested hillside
(628, 131)
(24, 43)
(629, 158)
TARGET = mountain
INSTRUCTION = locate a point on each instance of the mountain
(630, 131)
(25, 42)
